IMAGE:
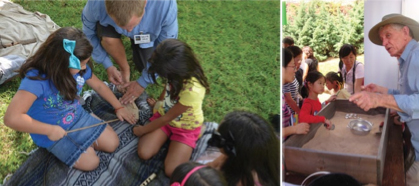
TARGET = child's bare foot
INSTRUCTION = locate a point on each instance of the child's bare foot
(151, 102)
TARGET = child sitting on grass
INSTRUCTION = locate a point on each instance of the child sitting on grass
(47, 103)
(180, 116)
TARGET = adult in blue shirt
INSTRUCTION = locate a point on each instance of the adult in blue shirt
(399, 35)
(145, 22)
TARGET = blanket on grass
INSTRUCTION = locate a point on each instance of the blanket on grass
(123, 167)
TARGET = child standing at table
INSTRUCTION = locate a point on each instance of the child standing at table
(334, 83)
(313, 86)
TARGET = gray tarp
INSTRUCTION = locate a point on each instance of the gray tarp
(21, 31)
(21, 34)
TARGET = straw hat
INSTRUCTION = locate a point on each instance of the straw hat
(394, 18)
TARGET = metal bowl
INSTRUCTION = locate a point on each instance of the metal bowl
(360, 126)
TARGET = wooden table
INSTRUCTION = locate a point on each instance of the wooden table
(393, 166)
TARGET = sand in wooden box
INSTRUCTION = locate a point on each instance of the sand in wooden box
(364, 168)
(342, 140)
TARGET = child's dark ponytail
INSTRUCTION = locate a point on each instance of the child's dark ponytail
(304, 90)
(312, 77)
(340, 79)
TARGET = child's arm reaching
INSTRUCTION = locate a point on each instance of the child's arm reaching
(16, 117)
(174, 112)
(299, 128)
(306, 116)
(331, 98)
(106, 93)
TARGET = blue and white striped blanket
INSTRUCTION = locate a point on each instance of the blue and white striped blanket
(123, 167)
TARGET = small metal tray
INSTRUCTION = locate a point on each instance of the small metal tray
(360, 126)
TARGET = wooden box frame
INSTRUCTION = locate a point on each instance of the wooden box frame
(364, 168)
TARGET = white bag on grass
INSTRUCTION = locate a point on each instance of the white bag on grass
(9, 65)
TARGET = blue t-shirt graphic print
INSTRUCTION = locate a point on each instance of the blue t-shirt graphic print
(50, 107)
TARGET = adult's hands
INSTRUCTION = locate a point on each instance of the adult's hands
(125, 73)
(366, 100)
(134, 90)
(374, 88)
(114, 76)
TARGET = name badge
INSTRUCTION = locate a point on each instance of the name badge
(142, 38)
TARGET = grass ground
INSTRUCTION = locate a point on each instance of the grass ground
(237, 43)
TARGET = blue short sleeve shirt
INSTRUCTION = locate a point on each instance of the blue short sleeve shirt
(50, 107)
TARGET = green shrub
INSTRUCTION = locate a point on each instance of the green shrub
(326, 26)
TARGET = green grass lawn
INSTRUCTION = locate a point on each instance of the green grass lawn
(237, 43)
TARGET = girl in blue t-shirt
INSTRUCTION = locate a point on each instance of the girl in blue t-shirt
(47, 105)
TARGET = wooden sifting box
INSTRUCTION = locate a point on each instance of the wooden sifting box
(364, 168)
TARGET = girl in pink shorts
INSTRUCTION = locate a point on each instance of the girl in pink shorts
(180, 117)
